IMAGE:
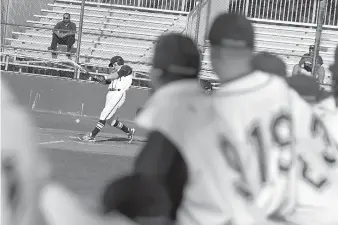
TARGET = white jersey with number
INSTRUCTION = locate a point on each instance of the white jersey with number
(182, 112)
(284, 153)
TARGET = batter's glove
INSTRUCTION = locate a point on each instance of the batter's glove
(99, 79)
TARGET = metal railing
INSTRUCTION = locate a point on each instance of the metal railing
(194, 19)
(296, 11)
(171, 5)
(60, 68)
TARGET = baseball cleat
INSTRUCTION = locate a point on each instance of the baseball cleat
(131, 135)
(87, 137)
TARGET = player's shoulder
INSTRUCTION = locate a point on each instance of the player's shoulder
(125, 71)
(252, 82)
(179, 101)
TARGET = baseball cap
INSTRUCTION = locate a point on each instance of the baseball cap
(177, 54)
(232, 30)
(269, 63)
(306, 86)
(334, 71)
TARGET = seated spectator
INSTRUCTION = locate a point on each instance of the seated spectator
(63, 33)
(304, 67)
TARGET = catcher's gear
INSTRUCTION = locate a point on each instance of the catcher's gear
(116, 59)
(125, 71)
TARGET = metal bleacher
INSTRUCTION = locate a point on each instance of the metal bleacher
(108, 30)
(132, 31)
(288, 42)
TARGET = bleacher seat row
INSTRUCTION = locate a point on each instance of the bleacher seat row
(131, 32)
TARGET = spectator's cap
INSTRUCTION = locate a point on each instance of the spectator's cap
(233, 31)
(136, 196)
(116, 59)
(307, 87)
(269, 63)
(176, 54)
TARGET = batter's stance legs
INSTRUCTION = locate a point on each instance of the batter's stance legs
(115, 123)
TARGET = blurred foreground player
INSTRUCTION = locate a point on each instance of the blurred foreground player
(327, 108)
(182, 150)
(24, 169)
(60, 206)
(285, 158)
(174, 77)
(141, 198)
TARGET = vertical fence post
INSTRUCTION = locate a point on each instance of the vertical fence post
(77, 58)
(198, 21)
(207, 24)
(183, 4)
(320, 21)
(5, 17)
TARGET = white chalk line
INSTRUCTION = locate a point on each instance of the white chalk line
(100, 152)
(51, 142)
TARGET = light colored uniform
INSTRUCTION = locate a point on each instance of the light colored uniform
(255, 139)
(116, 96)
(276, 142)
(328, 112)
(181, 112)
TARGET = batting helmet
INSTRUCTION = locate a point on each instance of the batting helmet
(116, 59)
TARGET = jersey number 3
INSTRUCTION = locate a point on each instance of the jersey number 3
(281, 136)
